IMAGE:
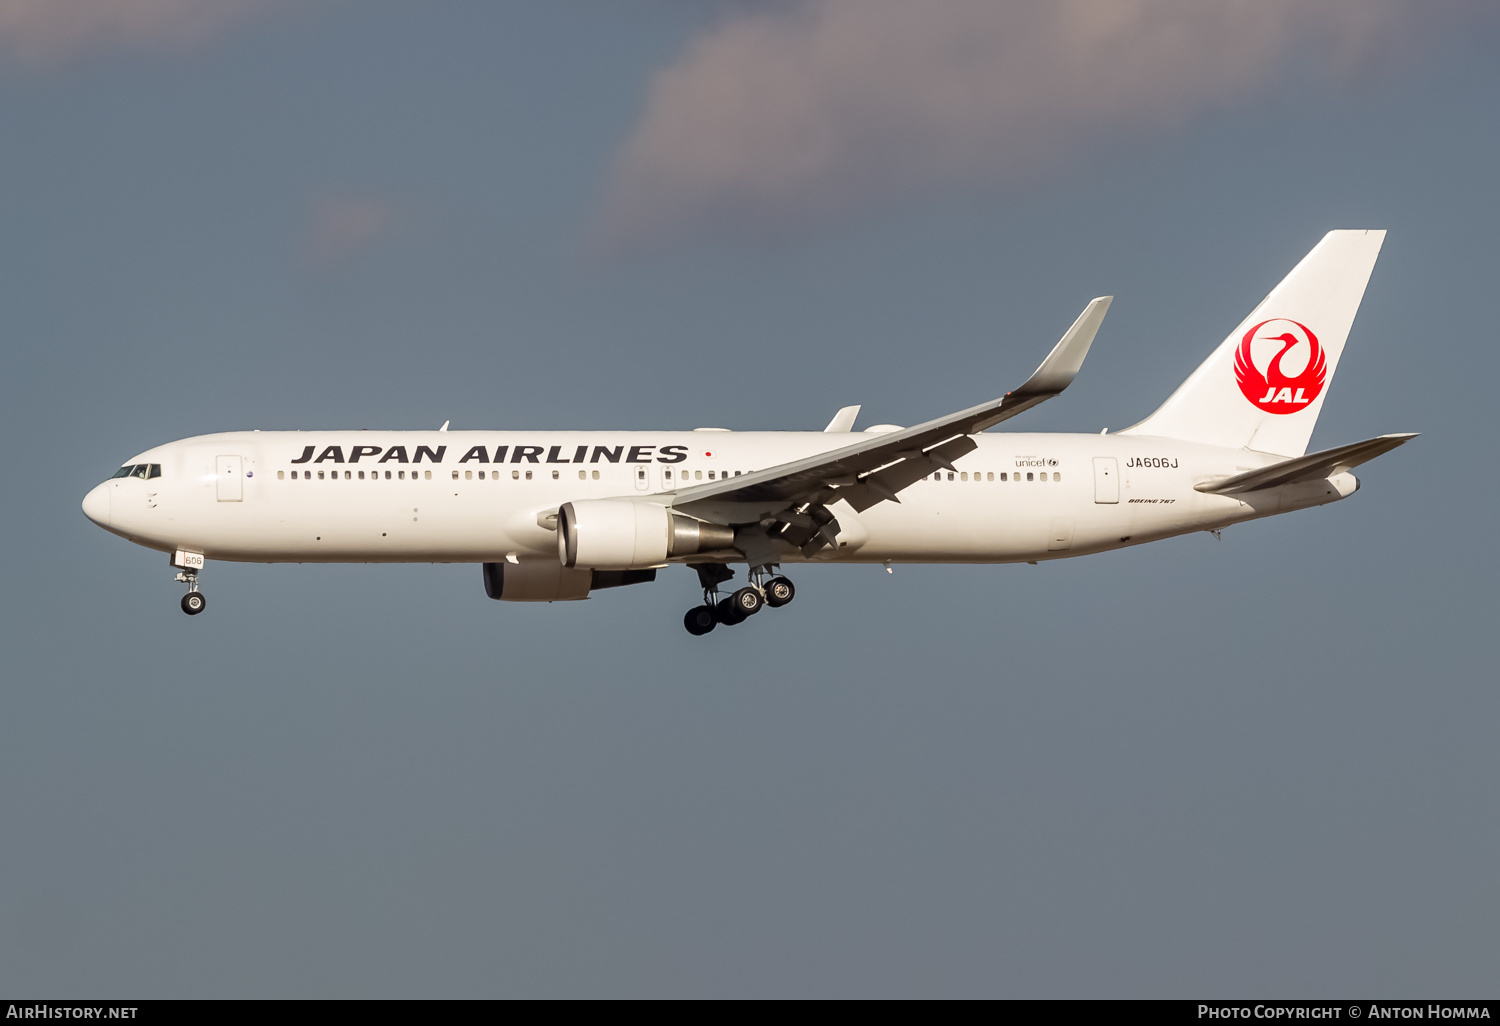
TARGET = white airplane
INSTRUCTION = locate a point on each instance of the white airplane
(553, 516)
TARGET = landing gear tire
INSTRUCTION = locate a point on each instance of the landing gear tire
(193, 603)
(700, 620)
(746, 602)
(725, 613)
(779, 591)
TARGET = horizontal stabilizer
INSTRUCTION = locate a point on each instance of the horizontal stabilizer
(1312, 467)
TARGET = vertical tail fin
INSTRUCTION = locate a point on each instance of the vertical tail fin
(1264, 386)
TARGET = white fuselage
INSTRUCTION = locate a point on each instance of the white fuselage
(428, 496)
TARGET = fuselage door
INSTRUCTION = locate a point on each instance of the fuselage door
(1106, 479)
(231, 479)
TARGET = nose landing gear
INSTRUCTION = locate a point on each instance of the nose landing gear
(741, 605)
(188, 565)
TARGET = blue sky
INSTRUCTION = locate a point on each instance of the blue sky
(1257, 765)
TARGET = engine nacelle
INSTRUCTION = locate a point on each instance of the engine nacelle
(622, 534)
(552, 582)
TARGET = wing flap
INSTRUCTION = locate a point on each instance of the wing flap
(1312, 467)
(884, 484)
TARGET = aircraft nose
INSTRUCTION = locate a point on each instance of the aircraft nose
(96, 504)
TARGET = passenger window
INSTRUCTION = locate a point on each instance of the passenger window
(555, 474)
(455, 475)
(402, 474)
(736, 473)
(950, 475)
(1028, 475)
(964, 476)
(349, 475)
(387, 475)
(710, 475)
(515, 475)
(361, 475)
(426, 473)
(294, 475)
(596, 475)
(320, 475)
(583, 475)
(481, 475)
(528, 475)
(280, 475)
(698, 475)
(990, 476)
(1057, 477)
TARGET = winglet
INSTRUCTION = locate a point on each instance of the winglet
(1057, 371)
(843, 421)
(1061, 365)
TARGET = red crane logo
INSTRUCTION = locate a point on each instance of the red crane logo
(1276, 391)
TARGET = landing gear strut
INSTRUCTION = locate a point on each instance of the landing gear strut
(740, 605)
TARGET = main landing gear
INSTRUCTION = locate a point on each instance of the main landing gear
(739, 606)
(193, 602)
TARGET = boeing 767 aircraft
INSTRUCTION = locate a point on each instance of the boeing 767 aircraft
(555, 515)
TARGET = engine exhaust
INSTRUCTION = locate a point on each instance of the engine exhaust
(686, 536)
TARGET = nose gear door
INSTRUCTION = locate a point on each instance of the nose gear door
(231, 479)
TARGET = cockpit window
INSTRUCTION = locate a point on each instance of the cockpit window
(142, 470)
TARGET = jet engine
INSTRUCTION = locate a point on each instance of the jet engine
(622, 534)
(552, 582)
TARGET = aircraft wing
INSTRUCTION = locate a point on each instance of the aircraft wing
(877, 467)
(1311, 467)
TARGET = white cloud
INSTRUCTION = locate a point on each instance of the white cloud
(802, 112)
(45, 31)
